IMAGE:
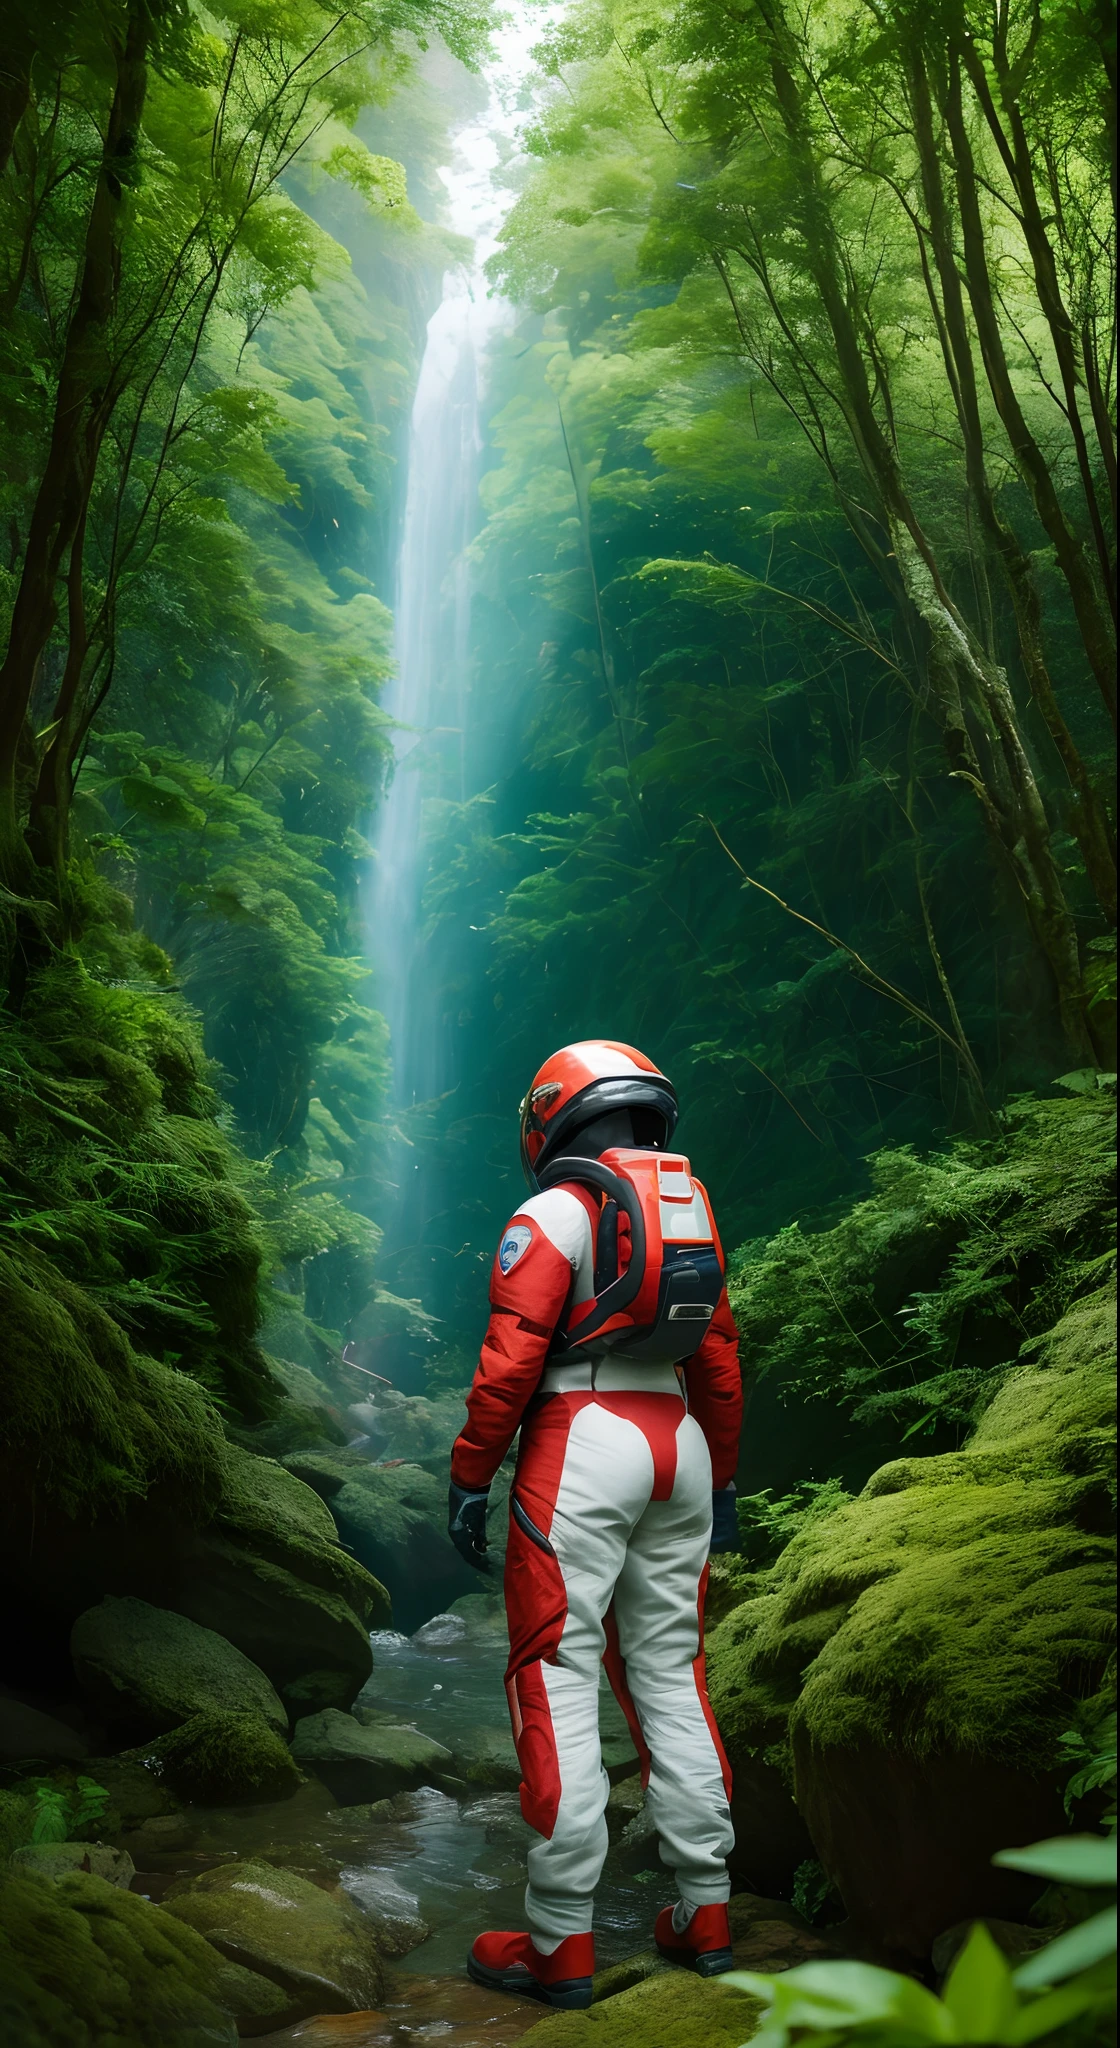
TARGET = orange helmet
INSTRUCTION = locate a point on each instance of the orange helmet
(582, 1082)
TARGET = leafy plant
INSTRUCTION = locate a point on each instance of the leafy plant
(58, 1813)
(1091, 1747)
(985, 2000)
(813, 1890)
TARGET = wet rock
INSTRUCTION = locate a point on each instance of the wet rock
(28, 1736)
(146, 1669)
(225, 1760)
(770, 1935)
(392, 1911)
(441, 1631)
(501, 1816)
(81, 1960)
(361, 1763)
(161, 1835)
(53, 1860)
(664, 2009)
(624, 1802)
(486, 1757)
(319, 1949)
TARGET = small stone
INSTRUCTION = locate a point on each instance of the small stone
(54, 1860)
(440, 1630)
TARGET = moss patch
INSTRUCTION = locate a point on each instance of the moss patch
(85, 1965)
(224, 1760)
(670, 2010)
(961, 1602)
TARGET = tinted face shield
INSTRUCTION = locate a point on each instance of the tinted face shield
(652, 1103)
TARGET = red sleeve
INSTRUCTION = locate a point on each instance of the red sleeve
(715, 1392)
(529, 1285)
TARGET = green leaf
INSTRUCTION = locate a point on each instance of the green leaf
(1078, 1949)
(979, 1994)
(1066, 1859)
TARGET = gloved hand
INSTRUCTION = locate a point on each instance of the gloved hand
(466, 1525)
(725, 1524)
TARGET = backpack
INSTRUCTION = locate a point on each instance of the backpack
(658, 1310)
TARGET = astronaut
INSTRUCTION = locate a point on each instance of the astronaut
(611, 1346)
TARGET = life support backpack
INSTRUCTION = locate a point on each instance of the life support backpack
(657, 1310)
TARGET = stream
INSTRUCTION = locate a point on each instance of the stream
(453, 1861)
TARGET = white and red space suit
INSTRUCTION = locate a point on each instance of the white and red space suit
(621, 1452)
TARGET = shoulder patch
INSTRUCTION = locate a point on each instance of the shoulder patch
(514, 1242)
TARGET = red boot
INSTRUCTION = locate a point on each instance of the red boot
(704, 1946)
(509, 1962)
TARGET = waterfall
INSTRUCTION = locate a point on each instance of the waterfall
(430, 694)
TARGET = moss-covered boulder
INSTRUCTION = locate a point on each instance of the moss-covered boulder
(85, 1965)
(395, 1519)
(56, 1860)
(224, 1760)
(319, 1949)
(667, 2009)
(269, 1573)
(366, 1762)
(145, 1669)
(916, 1654)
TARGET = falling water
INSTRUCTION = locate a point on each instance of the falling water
(430, 697)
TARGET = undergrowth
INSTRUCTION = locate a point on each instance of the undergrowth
(915, 1304)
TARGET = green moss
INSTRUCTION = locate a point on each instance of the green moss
(961, 1602)
(17, 1818)
(269, 1511)
(85, 1965)
(671, 2009)
(224, 1760)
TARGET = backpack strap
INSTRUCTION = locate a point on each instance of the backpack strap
(619, 1293)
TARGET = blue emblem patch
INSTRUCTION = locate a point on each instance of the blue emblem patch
(513, 1244)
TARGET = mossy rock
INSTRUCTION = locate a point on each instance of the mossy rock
(367, 1762)
(17, 1818)
(395, 1519)
(917, 1653)
(225, 1760)
(84, 1965)
(670, 2009)
(319, 1949)
(147, 1669)
(270, 1574)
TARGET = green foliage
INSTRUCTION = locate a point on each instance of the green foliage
(813, 1892)
(914, 1304)
(1090, 1746)
(59, 1815)
(1065, 1992)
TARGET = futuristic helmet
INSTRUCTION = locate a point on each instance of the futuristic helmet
(585, 1081)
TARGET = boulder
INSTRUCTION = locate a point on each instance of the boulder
(269, 1573)
(913, 1657)
(486, 1757)
(135, 1796)
(319, 1949)
(145, 1669)
(52, 1860)
(225, 1760)
(28, 1736)
(361, 1763)
(395, 1519)
(81, 1960)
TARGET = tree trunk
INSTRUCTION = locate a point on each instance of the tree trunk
(1095, 629)
(83, 407)
(1089, 821)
